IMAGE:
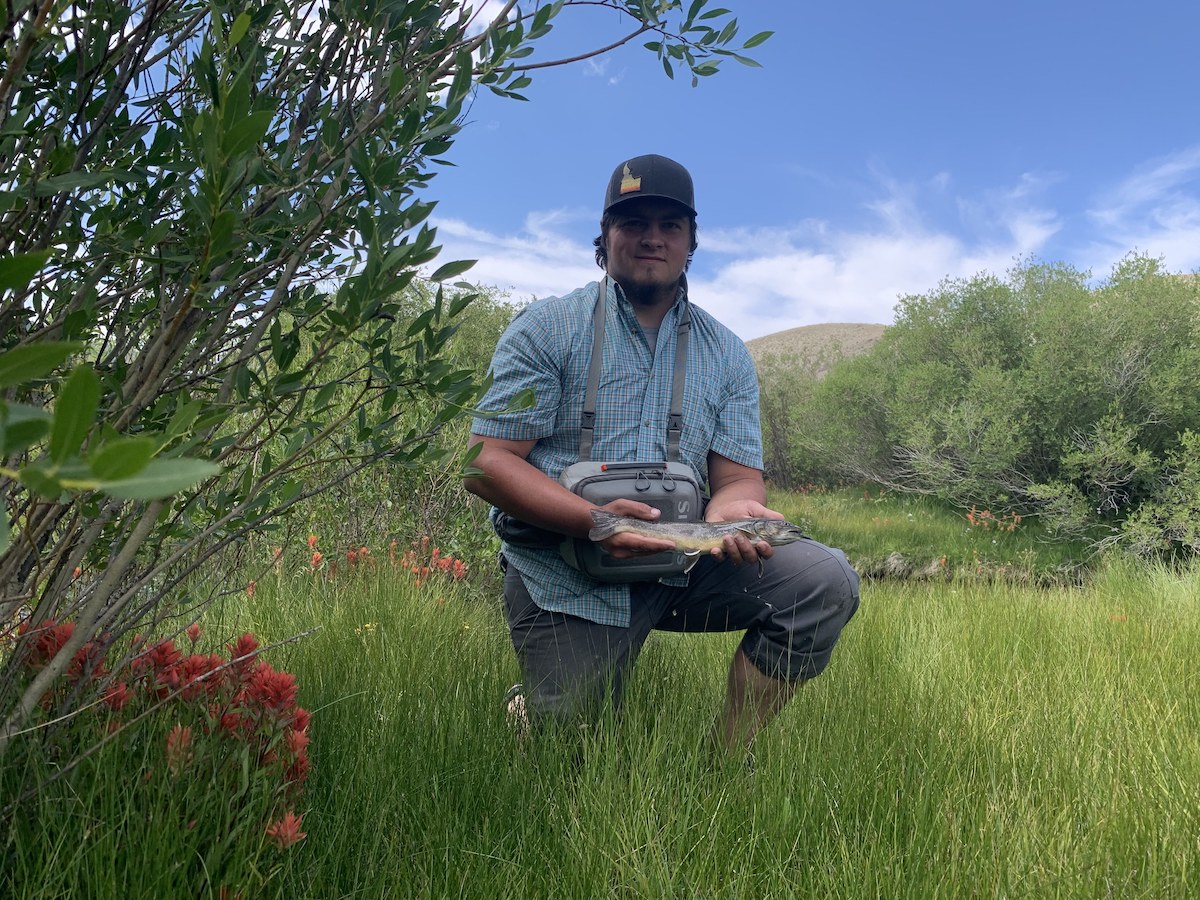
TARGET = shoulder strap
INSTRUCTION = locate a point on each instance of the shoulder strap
(587, 421)
(675, 418)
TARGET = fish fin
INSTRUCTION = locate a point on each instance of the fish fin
(693, 557)
(604, 524)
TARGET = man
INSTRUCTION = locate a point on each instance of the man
(576, 638)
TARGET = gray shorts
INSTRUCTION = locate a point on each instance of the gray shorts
(792, 616)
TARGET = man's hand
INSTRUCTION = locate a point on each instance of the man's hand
(739, 549)
(631, 546)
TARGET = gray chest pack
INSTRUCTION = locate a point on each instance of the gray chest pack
(670, 484)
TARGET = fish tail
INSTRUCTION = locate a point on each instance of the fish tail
(604, 524)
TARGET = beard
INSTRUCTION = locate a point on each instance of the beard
(648, 293)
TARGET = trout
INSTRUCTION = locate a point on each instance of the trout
(694, 537)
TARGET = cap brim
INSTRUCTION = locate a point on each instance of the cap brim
(622, 200)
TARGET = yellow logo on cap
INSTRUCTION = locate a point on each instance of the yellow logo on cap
(628, 182)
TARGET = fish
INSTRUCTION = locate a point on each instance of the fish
(694, 537)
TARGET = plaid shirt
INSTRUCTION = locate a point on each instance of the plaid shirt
(548, 349)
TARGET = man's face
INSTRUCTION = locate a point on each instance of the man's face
(648, 245)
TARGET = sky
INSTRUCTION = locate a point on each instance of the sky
(880, 149)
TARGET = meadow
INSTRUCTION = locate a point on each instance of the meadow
(974, 736)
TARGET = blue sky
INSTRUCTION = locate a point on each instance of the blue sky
(880, 149)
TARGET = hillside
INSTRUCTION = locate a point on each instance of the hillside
(825, 343)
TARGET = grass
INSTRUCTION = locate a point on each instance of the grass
(888, 534)
(976, 739)
(971, 738)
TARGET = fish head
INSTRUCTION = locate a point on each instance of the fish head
(778, 531)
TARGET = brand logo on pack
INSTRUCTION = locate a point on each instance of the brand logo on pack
(683, 509)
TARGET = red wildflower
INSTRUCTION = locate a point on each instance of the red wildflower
(231, 723)
(78, 571)
(89, 659)
(117, 696)
(297, 741)
(179, 748)
(251, 587)
(48, 638)
(460, 570)
(193, 632)
(297, 770)
(286, 831)
(300, 718)
(274, 690)
(316, 558)
(161, 656)
(352, 556)
(242, 655)
(195, 674)
(312, 542)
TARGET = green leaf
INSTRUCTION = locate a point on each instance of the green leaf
(747, 61)
(40, 482)
(420, 323)
(71, 181)
(183, 418)
(74, 413)
(33, 361)
(161, 478)
(757, 39)
(22, 425)
(122, 458)
(17, 271)
(247, 133)
(452, 269)
(238, 29)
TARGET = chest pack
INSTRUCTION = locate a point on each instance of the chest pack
(670, 484)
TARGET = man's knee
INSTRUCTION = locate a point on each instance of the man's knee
(814, 595)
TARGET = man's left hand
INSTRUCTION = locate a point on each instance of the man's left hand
(739, 549)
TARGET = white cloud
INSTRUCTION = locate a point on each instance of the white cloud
(1156, 210)
(761, 280)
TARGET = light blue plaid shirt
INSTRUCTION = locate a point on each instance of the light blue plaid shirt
(548, 348)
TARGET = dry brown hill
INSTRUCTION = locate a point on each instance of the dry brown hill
(823, 344)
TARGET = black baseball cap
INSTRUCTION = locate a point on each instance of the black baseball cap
(650, 176)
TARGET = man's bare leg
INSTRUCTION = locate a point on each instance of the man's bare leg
(752, 700)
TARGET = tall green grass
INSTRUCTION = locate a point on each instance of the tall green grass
(969, 739)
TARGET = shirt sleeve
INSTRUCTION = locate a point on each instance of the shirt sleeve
(738, 435)
(526, 358)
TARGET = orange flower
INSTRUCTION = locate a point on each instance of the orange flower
(316, 558)
(312, 542)
(286, 831)
(251, 587)
(78, 571)
(352, 556)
